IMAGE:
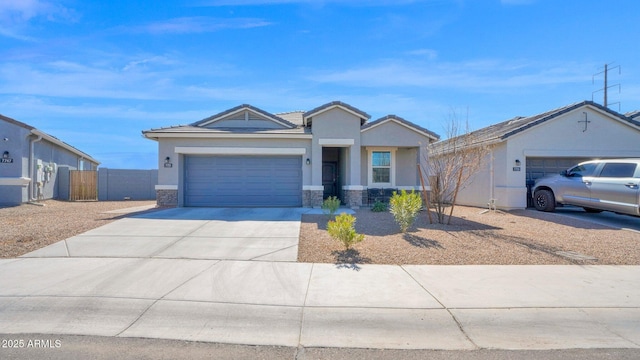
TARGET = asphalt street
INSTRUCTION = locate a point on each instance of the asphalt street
(112, 348)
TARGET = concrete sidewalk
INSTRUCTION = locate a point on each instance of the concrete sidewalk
(160, 288)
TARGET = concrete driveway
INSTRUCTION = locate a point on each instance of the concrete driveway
(605, 218)
(191, 233)
(230, 276)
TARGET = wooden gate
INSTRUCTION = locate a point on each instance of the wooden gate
(83, 185)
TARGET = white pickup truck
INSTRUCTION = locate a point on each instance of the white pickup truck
(597, 185)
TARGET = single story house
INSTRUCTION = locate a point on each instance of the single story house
(523, 149)
(246, 156)
(29, 162)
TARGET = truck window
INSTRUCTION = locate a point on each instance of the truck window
(618, 170)
(582, 170)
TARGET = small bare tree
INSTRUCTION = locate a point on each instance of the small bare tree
(451, 164)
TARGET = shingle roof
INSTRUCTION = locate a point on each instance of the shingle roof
(401, 120)
(245, 106)
(294, 117)
(505, 129)
(363, 115)
(191, 129)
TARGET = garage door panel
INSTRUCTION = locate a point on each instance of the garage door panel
(243, 181)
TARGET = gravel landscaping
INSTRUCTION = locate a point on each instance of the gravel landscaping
(29, 227)
(500, 238)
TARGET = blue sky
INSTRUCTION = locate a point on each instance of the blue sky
(97, 73)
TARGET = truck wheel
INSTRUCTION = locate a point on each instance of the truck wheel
(544, 200)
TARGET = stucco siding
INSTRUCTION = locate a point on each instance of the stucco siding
(406, 167)
(392, 134)
(337, 124)
(364, 167)
(17, 146)
(47, 154)
(12, 195)
(479, 190)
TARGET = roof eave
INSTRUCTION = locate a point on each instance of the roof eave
(64, 145)
(209, 135)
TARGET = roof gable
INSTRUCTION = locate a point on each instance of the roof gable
(243, 117)
(336, 104)
(402, 122)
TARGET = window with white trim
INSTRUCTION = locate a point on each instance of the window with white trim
(381, 167)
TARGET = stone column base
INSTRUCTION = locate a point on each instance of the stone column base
(167, 198)
(353, 198)
(312, 198)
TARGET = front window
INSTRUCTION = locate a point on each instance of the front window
(381, 166)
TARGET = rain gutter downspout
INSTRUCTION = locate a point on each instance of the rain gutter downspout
(31, 164)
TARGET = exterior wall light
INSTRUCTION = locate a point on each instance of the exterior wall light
(5, 158)
(308, 161)
(167, 162)
(517, 162)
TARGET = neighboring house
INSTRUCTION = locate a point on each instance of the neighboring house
(30, 160)
(526, 148)
(246, 156)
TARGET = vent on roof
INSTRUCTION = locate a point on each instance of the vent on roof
(516, 119)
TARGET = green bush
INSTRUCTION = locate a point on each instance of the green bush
(331, 205)
(342, 229)
(405, 207)
(379, 206)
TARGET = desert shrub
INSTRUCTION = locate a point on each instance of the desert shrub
(331, 205)
(379, 206)
(342, 229)
(405, 207)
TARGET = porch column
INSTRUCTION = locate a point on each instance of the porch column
(312, 194)
(353, 190)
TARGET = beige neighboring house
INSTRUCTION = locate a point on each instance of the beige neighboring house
(246, 156)
(29, 163)
(524, 149)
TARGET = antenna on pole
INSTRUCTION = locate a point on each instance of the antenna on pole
(606, 87)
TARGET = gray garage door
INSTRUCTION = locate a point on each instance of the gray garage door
(540, 167)
(243, 181)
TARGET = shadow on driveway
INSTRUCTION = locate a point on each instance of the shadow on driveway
(567, 215)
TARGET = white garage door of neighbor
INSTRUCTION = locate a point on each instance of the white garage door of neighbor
(238, 181)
